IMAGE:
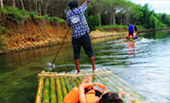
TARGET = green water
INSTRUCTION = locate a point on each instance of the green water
(145, 65)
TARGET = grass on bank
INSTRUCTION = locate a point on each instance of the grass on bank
(139, 27)
(16, 15)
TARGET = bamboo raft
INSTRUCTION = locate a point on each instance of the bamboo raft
(53, 86)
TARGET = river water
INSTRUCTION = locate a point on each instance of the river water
(145, 64)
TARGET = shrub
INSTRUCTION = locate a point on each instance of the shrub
(16, 15)
(1, 44)
(2, 30)
(93, 21)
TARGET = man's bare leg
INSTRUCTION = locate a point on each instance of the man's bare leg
(93, 63)
(77, 65)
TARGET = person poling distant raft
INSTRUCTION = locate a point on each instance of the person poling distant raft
(80, 34)
(132, 34)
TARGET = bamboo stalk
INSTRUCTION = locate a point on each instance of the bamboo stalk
(46, 91)
(128, 85)
(63, 86)
(111, 85)
(73, 82)
(70, 75)
(95, 78)
(124, 87)
(78, 81)
(59, 92)
(111, 82)
(130, 91)
(40, 89)
(53, 91)
(69, 86)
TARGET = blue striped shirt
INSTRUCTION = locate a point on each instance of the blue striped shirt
(77, 20)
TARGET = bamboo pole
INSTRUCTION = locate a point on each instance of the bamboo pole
(124, 86)
(73, 82)
(46, 91)
(78, 81)
(59, 92)
(128, 85)
(105, 82)
(53, 91)
(70, 75)
(63, 86)
(40, 89)
(130, 91)
(69, 86)
(111, 85)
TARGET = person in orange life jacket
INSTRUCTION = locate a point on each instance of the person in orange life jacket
(97, 93)
(80, 34)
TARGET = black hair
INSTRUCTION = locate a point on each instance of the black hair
(110, 97)
(132, 22)
(73, 4)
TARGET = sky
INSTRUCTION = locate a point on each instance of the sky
(159, 6)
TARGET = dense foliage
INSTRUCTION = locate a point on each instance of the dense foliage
(99, 12)
(16, 15)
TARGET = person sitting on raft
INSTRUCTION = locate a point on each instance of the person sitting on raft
(93, 93)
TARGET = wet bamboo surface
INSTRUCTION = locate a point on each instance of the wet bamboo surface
(53, 87)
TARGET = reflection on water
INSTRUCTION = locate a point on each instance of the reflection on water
(143, 63)
(132, 50)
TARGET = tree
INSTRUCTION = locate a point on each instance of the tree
(22, 4)
(154, 22)
(39, 7)
(13, 3)
(1, 3)
(93, 21)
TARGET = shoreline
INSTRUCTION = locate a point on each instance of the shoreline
(94, 35)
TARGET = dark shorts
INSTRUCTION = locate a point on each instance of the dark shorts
(130, 34)
(85, 42)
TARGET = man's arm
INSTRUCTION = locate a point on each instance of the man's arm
(84, 6)
(87, 2)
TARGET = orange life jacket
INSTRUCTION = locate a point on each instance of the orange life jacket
(73, 96)
(127, 36)
(90, 96)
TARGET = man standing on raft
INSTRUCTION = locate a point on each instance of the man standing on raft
(80, 34)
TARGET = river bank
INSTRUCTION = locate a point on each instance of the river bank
(35, 33)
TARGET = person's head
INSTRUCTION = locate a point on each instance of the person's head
(132, 22)
(110, 97)
(73, 4)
